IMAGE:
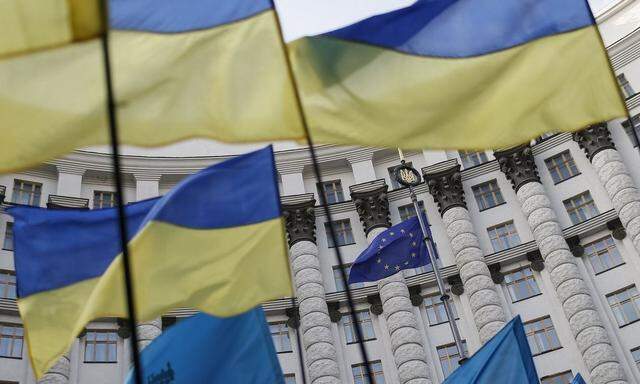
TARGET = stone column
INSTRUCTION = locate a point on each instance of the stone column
(577, 302)
(402, 324)
(614, 176)
(59, 373)
(488, 314)
(315, 323)
(69, 180)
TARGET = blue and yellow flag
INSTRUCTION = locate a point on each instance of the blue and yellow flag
(181, 68)
(463, 74)
(578, 380)
(215, 242)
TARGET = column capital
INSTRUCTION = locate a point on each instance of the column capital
(293, 317)
(375, 304)
(71, 169)
(300, 218)
(372, 204)
(537, 263)
(446, 188)
(457, 287)
(496, 273)
(593, 139)
(518, 165)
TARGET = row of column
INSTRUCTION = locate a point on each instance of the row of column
(475, 278)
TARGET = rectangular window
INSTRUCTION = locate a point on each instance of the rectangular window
(626, 87)
(392, 176)
(541, 335)
(488, 195)
(503, 236)
(101, 347)
(450, 358)
(472, 158)
(290, 378)
(104, 199)
(635, 353)
(366, 326)
(408, 211)
(11, 340)
(521, 284)
(344, 234)
(561, 167)
(360, 373)
(629, 129)
(558, 378)
(7, 285)
(603, 254)
(26, 192)
(625, 305)
(7, 245)
(435, 310)
(337, 277)
(332, 191)
(280, 336)
(581, 207)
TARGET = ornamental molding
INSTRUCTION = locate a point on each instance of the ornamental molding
(300, 218)
(594, 139)
(496, 273)
(446, 188)
(372, 204)
(518, 165)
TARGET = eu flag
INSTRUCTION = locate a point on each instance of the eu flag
(399, 247)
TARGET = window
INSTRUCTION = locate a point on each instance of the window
(521, 284)
(337, 276)
(625, 305)
(7, 285)
(290, 378)
(101, 347)
(26, 192)
(366, 326)
(332, 191)
(541, 335)
(627, 89)
(503, 236)
(103, 199)
(561, 167)
(558, 378)
(435, 310)
(488, 195)
(408, 211)
(635, 353)
(450, 358)
(629, 129)
(360, 373)
(11, 338)
(344, 234)
(472, 158)
(581, 207)
(8, 238)
(603, 254)
(392, 176)
(280, 336)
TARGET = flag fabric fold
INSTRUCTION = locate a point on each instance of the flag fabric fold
(398, 248)
(457, 74)
(505, 359)
(215, 242)
(181, 69)
(578, 380)
(207, 349)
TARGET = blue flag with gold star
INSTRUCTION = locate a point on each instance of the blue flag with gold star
(399, 247)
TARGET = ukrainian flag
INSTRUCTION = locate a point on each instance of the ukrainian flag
(215, 242)
(463, 74)
(182, 69)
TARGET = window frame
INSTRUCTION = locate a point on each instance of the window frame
(12, 338)
(556, 163)
(557, 376)
(362, 376)
(598, 254)
(620, 303)
(337, 231)
(542, 330)
(449, 357)
(337, 276)
(8, 233)
(351, 325)
(36, 191)
(403, 210)
(481, 195)
(468, 156)
(6, 288)
(500, 239)
(101, 194)
(433, 301)
(280, 333)
(532, 276)
(339, 191)
(95, 342)
(625, 86)
(577, 208)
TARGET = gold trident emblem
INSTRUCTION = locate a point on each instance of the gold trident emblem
(407, 176)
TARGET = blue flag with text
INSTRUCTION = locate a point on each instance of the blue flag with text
(399, 247)
(208, 349)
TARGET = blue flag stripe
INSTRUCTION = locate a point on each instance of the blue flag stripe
(174, 16)
(466, 28)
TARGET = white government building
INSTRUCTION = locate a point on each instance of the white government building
(550, 232)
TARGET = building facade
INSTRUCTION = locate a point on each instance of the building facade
(549, 231)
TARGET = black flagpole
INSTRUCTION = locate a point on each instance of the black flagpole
(122, 220)
(323, 202)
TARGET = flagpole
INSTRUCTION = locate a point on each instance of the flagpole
(444, 297)
(122, 219)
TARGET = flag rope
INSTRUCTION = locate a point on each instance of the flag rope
(323, 202)
(122, 219)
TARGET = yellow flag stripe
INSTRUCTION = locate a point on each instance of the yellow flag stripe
(223, 272)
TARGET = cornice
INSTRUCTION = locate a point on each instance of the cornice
(612, 10)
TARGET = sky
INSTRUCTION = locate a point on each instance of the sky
(308, 17)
